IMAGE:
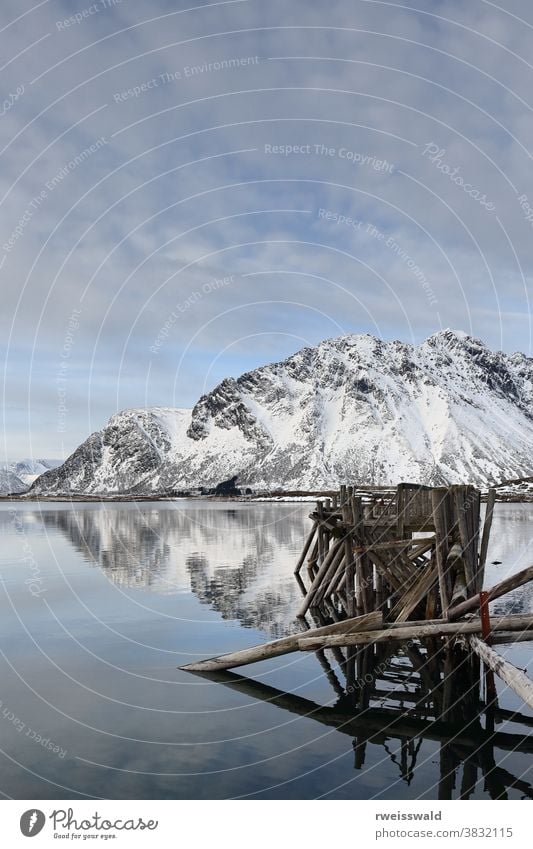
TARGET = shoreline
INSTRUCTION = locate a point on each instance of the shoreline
(272, 498)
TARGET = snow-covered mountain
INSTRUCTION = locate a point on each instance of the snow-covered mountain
(10, 484)
(28, 470)
(353, 409)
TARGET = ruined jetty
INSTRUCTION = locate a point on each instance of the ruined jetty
(403, 569)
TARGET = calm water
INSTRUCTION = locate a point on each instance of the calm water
(101, 603)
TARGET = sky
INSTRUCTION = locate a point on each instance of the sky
(188, 191)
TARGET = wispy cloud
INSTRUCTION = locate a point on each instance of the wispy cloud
(225, 129)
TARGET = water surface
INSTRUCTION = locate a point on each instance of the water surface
(101, 603)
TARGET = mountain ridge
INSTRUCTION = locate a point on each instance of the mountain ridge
(351, 409)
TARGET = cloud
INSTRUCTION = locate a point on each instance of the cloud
(226, 130)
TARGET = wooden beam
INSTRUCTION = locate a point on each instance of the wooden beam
(284, 646)
(510, 675)
(496, 591)
(416, 632)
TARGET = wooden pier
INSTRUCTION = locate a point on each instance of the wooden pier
(405, 568)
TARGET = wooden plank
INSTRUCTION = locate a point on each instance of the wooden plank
(409, 631)
(285, 645)
(503, 587)
(510, 675)
(422, 543)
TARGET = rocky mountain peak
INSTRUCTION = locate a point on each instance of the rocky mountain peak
(352, 409)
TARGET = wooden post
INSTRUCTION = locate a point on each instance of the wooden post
(462, 508)
(456, 563)
(491, 498)
(321, 536)
(485, 633)
(347, 519)
(438, 497)
(358, 538)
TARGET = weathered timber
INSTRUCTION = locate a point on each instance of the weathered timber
(438, 501)
(502, 637)
(285, 645)
(409, 631)
(351, 605)
(362, 605)
(502, 588)
(317, 581)
(491, 498)
(415, 593)
(457, 563)
(470, 556)
(510, 675)
(321, 593)
(305, 549)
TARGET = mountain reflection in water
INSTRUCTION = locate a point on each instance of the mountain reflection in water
(233, 559)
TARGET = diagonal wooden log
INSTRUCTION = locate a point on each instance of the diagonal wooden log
(331, 572)
(510, 675)
(496, 591)
(416, 592)
(305, 549)
(415, 632)
(319, 577)
(285, 645)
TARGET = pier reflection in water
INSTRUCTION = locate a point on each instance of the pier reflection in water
(399, 701)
